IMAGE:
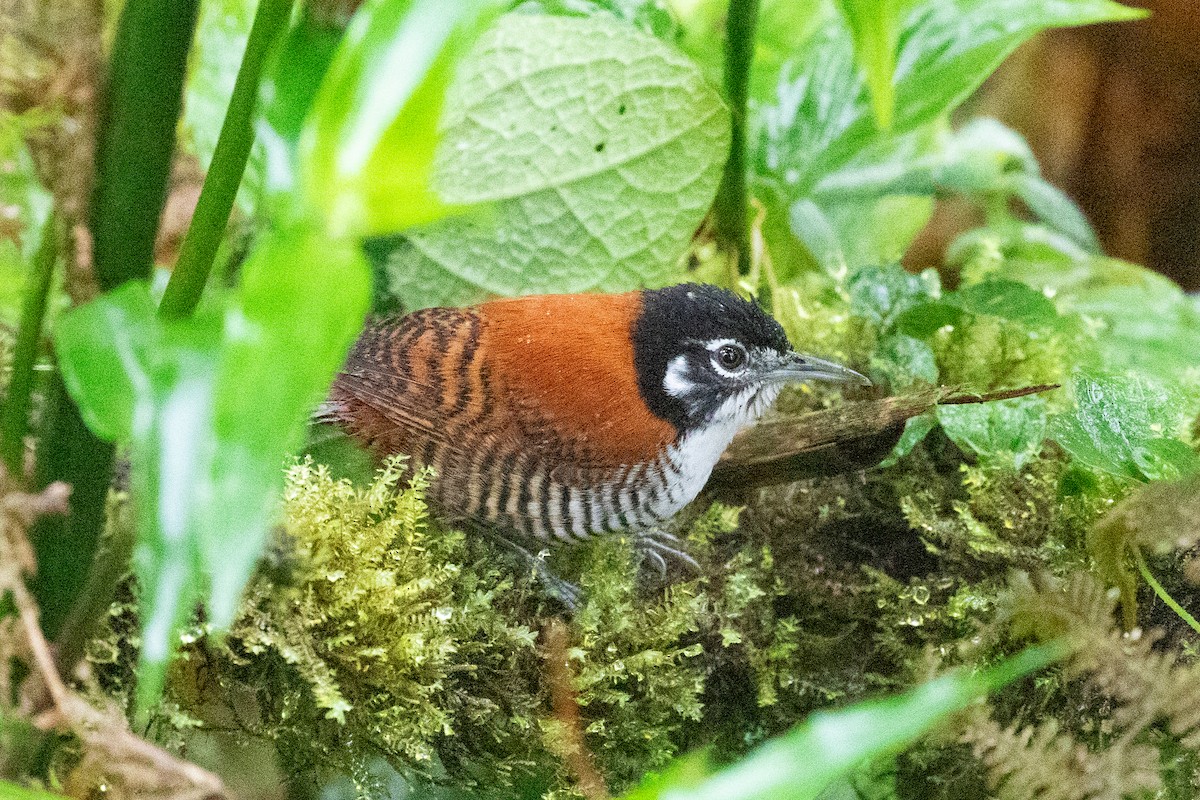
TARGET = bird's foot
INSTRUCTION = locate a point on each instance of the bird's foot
(659, 548)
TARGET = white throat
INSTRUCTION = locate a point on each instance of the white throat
(690, 461)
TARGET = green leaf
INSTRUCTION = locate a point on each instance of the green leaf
(1113, 297)
(284, 341)
(883, 294)
(286, 94)
(1008, 299)
(947, 49)
(813, 227)
(599, 148)
(367, 148)
(816, 137)
(1166, 459)
(924, 319)
(1052, 206)
(652, 16)
(1010, 429)
(104, 349)
(880, 230)
(915, 431)
(930, 160)
(820, 117)
(1160, 343)
(874, 29)
(904, 360)
(1124, 425)
(13, 791)
(210, 406)
(801, 763)
(23, 195)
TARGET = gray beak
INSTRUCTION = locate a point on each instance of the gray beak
(797, 367)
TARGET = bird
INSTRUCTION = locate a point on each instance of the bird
(552, 419)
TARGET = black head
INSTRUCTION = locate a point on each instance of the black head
(704, 355)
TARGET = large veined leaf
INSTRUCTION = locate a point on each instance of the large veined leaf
(597, 148)
(652, 16)
(1009, 429)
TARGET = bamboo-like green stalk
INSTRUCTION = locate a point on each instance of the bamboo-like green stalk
(199, 247)
(731, 209)
(14, 416)
(135, 147)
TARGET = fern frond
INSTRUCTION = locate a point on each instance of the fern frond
(1041, 761)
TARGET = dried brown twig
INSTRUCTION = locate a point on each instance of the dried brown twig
(574, 750)
(129, 765)
(850, 437)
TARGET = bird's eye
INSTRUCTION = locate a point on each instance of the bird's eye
(730, 356)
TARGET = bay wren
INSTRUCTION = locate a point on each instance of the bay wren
(560, 417)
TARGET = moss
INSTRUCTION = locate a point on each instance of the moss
(388, 633)
(371, 631)
(375, 631)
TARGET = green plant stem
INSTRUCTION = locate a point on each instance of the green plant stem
(133, 167)
(14, 416)
(199, 247)
(731, 209)
(1140, 560)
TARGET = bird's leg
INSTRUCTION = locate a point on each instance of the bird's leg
(562, 590)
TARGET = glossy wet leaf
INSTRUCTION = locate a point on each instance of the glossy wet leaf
(597, 150)
(1007, 429)
(1124, 425)
(883, 294)
(948, 48)
(903, 361)
(210, 406)
(367, 147)
(801, 763)
(821, 116)
(817, 136)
